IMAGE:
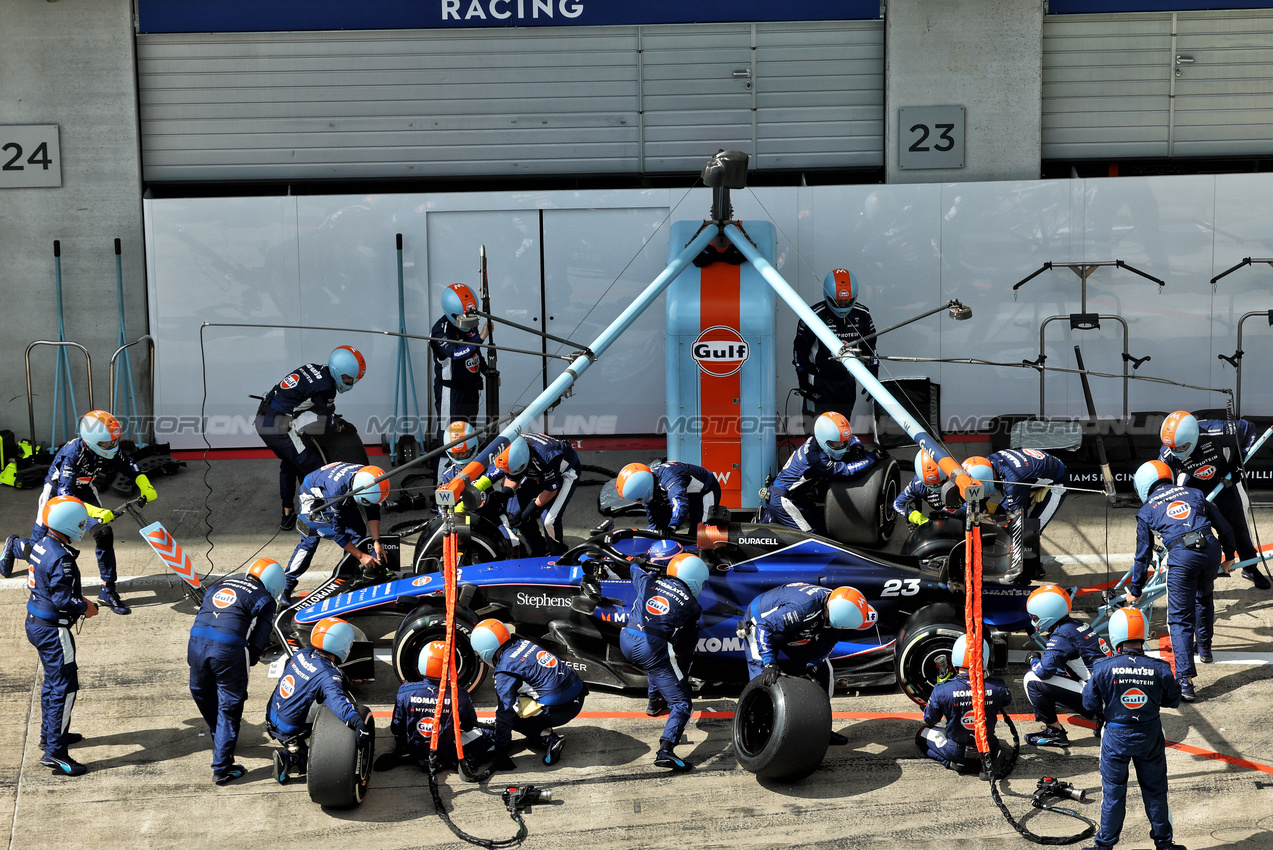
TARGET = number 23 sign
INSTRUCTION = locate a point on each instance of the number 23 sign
(930, 137)
(30, 156)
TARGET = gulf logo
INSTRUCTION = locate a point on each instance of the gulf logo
(286, 687)
(290, 381)
(657, 605)
(425, 726)
(422, 581)
(1134, 699)
(1034, 453)
(546, 659)
(1179, 510)
(1206, 473)
(225, 597)
(969, 720)
(720, 351)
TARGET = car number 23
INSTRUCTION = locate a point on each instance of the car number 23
(900, 587)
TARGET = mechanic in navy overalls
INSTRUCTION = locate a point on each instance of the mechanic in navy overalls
(229, 634)
(94, 453)
(659, 637)
(57, 601)
(343, 520)
(1183, 519)
(1058, 675)
(1128, 690)
(535, 691)
(458, 364)
(674, 493)
(545, 486)
(1205, 453)
(304, 402)
(311, 675)
(792, 494)
(412, 723)
(793, 629)
(825, 383)
(948, 735)
(925, 488)
(1030, 481)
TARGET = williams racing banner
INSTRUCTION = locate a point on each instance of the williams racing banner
(177, 16)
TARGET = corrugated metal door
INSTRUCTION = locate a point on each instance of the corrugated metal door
(477, 103)
(1195, 84)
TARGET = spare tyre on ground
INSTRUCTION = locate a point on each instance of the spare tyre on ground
(782, 731)
(339, 766)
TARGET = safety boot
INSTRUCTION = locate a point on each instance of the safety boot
(110, 598)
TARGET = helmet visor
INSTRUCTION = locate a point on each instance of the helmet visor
(107, 445)
(840, 303)
(837, 445)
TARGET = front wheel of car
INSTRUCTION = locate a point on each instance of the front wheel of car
(427, 622)
(923, 649)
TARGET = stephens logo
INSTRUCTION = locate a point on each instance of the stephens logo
(287, 687)
(224, 598)
(969, 720)
(544, 601)
(290, 381)
(1206, 473)
(657, 605)
(720, 351)
(546, 659)
(1178, 510)
(1134, 699)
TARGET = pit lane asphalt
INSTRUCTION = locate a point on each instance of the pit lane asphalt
(148, 755)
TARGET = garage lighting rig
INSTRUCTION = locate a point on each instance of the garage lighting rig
(1083, 320)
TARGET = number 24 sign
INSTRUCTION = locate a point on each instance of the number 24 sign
(930, 137)
(30, 156)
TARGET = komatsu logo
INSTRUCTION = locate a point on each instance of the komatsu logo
(720, 351)
(728, 644)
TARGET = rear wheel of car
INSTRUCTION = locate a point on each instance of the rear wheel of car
(339, 766)
(427, 622)
(860, 512)
(923, 648)
(480, 548)
(782, 731)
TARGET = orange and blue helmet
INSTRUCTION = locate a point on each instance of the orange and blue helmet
(1148, 476)
(635, 483)
(347, 367)
(65, 515)
(847, 608)
(839, 290)
(366, 489)
(1127, 624)
(833, 434)
(460, 306)
(1180, 433)
(333, 636)
(487, 637)
(431, 658)
(1047, 606)
(100, 432)
(928, 470)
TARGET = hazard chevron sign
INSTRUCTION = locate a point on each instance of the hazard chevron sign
(170, 552)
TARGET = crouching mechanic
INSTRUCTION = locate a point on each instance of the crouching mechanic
(342, 520)
(662, 626)
(544, 473)
(229, 634)
(304, 402)
(56, 603)
(310, 676)
(819, 458)
(1128, 690)
(1058, 675)
(674, 494)
(947, 735)
(412, 723)
(925, 488)
(94, 452)
(802, 622)
(535, 691)
(1183, 519)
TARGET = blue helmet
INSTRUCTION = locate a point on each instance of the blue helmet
(635, 483)
(663, 551)
(333, 636)
(1127, 624)
(1180, 433)
(959, 651)
(1148, 477)
(980, 469)
(347, 367)
(512, 461)
(833, 434)
(839, 290)
(461, 430)
(460, 306)
(690, 569)
(100, 432)
(848, 608)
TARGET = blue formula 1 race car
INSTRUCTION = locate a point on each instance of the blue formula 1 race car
(576, 604)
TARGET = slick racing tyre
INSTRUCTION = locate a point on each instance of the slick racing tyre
(428, 623)
(782, 731)
(344, 446)
(860, 513)
(924, 643)
(483, 546)
(338, 766)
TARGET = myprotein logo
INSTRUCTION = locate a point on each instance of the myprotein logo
(1178, 510)
(543, 601)
(287, 687)
(290, 381)
(720, 351)
(1206, 473)
(657, 605)
(224, 598)
(1134, 699)
(546, 659)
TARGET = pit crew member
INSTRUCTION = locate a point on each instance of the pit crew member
(820, 458)
(1058, 675)
(947, 736)
(674, 494)
(825, 383)
(343, 520)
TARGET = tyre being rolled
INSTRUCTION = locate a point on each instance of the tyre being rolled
(339, 767)
(782, 731)
(427, 622)
(343, 446)
(860, 512)
(923, 649)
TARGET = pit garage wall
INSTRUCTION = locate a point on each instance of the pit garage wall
(573, 260)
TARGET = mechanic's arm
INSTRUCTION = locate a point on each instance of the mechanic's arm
(259, 639)
(1051, 662)
(933, 712)
(1092, 697)
(851, 468)
(1140, 565)
(1228, 540)
(506, 685)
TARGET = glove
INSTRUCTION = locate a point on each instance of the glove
(99, 514)
(770, 675)
(147, 490)
(361, 732)
(916, 518)
(527, 514)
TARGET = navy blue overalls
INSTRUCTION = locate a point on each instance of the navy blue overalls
(55, 604)
(309, 388)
